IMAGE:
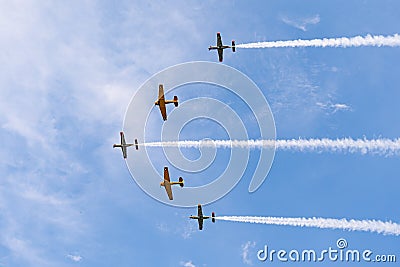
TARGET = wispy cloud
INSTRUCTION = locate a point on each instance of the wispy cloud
(246, 252)
(187, 264)
(65, 87)
(162, 227)
(75, 258)
(188, 230)
(301, 23)
(25, 250)
(333, 108)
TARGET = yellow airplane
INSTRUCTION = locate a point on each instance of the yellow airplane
(167, 183)
(161, 102)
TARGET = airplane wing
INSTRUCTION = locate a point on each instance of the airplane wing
(160, 91)
(163, 111)
(124, 152)
(199, 211)
(200, 224)
(219, 44)
(167, 183)
(123, 142)
(219, 39)
(123, 147)
(168, 188)
(220, 55)
(166, 174)
(161, 101)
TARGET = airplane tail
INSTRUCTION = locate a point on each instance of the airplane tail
(175, 101)
(181, 181)
(233, 46)
(136, 144)
(213, 217)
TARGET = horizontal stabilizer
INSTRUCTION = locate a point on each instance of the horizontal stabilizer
(175, 101)
(181, 181)
(233, 46)
(213, 217)
(136, 144)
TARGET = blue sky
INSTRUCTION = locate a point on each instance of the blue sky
(69, 71)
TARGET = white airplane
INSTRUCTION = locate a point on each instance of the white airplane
(167, 183)
(124, 145)
(161, 102)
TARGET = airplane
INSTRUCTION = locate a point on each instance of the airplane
(200, 217)
(167, 183)
(161, 102)
(220, 47)
(124, 145)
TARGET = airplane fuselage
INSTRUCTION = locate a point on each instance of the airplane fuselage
(199, 218)
(157, 103)
(219, 47)
(122, 145)
(166, 183)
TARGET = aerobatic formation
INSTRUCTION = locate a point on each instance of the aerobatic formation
(381, 146)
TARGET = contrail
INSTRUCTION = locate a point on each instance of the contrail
(368, 40)
(387, 147)
(386, 228)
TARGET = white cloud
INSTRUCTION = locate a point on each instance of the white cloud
(70, 70)
(188, 230)
(333, 108)
(162, 227)
(187, 264)
(302, 23)
(25, 250)
(292, 86)
(75, 258)
(67, 80)
(245, 252)
(338, 107)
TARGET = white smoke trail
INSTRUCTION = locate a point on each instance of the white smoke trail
(386, 228)
(368, 40)
(387, 147)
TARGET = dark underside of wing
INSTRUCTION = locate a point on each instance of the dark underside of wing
(163, 110)
(200, 224)
(220, 55)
